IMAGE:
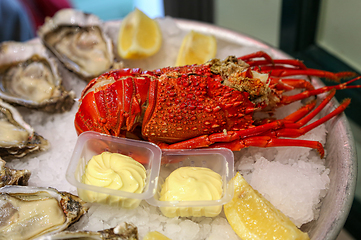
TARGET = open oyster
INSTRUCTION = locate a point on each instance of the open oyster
(17, 138)
(29, 212)
(123, 231)
(79, 41)
(10, 176)
(29, 77)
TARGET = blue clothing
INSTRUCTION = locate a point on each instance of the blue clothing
(15, 23)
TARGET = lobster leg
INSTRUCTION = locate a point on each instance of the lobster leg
(293, 117)
(259, 54)
(285, 72)
(276, 67)
(308, 93)
(256, 141)
(293, 129)
(297, 64)
(198, 142)
(287, 127)
(288, 84)
(294, 132)
(288, 122)
(269, 60)
(300, 113)
(274, 141)
(267, 141)
(306, 119)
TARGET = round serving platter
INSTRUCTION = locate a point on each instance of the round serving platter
(50, 167)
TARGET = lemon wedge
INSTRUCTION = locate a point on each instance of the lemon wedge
(196, 48)
(155, 235)
(253, 217)
(139, 36)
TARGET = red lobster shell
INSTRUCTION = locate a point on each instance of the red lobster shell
(205, 105)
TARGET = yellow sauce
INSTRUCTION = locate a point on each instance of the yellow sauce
(192, 184)
(114, 171)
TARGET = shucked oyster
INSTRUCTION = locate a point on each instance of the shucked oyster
(29, 77)
(17, 138)
(29, 212)
(123, 231)
(10, 176)
(79, 41)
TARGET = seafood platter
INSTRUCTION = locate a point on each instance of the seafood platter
(62, 127)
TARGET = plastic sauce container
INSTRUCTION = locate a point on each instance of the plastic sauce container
(219, 160)
(90, 144)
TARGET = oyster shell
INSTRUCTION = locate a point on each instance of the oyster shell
(30, 78)
(79, 41)
(17, 138)
(10, 176)
(123, 231)
(29, 212)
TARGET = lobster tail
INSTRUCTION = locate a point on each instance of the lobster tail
(112, 103)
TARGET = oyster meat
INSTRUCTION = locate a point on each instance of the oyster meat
(10, 176)
(79, 41)
(17, 138)
(29, 212)
(123, 231)
(29, 77)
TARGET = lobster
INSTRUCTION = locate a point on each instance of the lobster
(208, 105)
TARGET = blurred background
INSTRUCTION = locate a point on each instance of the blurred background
(324, 33)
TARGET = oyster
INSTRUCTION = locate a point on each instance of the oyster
(79, 41)
(30, 78)
(17, 138)
(10, 176)
(29, 212)
(123, 231)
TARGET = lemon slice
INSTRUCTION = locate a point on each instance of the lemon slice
(253, 217)
(139, 36)
(196, 48)
(155, 235)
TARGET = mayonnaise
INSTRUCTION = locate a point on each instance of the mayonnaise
(114, 171)
(192, 184)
